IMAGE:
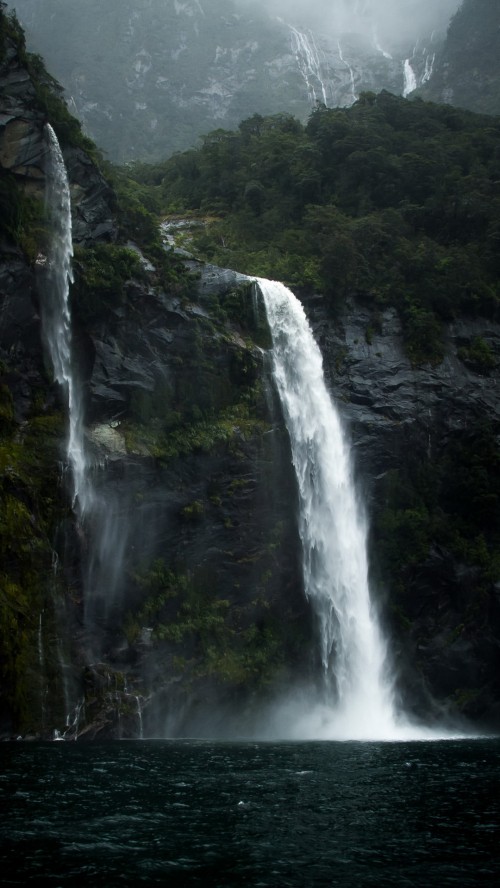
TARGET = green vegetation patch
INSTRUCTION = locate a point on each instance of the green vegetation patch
(232, 425)
(204, 634)
(391, 201)
(31, 505)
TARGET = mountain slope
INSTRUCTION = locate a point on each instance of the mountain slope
(147, 78)
(467, 72)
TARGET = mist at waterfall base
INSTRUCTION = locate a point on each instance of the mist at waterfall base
(267, 815)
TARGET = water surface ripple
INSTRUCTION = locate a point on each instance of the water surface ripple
(275, 814)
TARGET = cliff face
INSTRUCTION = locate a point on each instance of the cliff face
(426, 451)
(193, 599)
(466, 72)
(175, 604)
(178, 593)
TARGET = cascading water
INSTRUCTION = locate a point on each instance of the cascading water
(410, 79)
(331, 527)
(429, 67)
(357, 699)
(55, 314)
(56, 334)
(354, 97)
(104, 527)
(307, 55)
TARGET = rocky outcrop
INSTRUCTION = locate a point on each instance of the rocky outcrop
(32, 427)
(23, 151)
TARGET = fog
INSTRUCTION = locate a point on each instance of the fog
(393, 20)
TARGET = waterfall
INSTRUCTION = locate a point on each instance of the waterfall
(55, 312)
(331, 525)
(139, 716)
(351, 72)
(410, 79)
(104, 533)
(307, 55)
(356, 701)
(429, 67)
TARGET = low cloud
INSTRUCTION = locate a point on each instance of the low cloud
(394, 20)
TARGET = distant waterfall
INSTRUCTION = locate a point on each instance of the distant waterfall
(354, 97)
(307, 55)
(410, 79)
(55, 312)
(429, 67)
(332, 529)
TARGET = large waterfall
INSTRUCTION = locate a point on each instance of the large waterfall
(357, 698)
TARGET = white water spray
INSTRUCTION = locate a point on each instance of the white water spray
(308, 60)
(429, 67)
(410, 79)
(139, 716)
(378, 47)
(357, 701)
(56, 320)
(103, 518)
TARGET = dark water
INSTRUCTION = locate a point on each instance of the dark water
(196, 813)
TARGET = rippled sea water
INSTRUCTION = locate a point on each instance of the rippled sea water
(262, 814)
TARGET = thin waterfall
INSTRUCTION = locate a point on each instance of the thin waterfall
(308, 60)
(351, 72)
(55, 312)
(106, 538)
(429, 67)
(358, 693)
(139, 716)
(410, 79)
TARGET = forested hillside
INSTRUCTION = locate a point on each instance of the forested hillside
(395, 202)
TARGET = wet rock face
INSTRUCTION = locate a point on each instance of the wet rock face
(407, 423)
(92, 200)
(197, 495)
(23, 153)
(392, 406)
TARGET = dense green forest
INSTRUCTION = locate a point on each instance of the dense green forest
(395, 202)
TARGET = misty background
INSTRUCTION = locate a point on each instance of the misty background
(394, 20)
(150, 77)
